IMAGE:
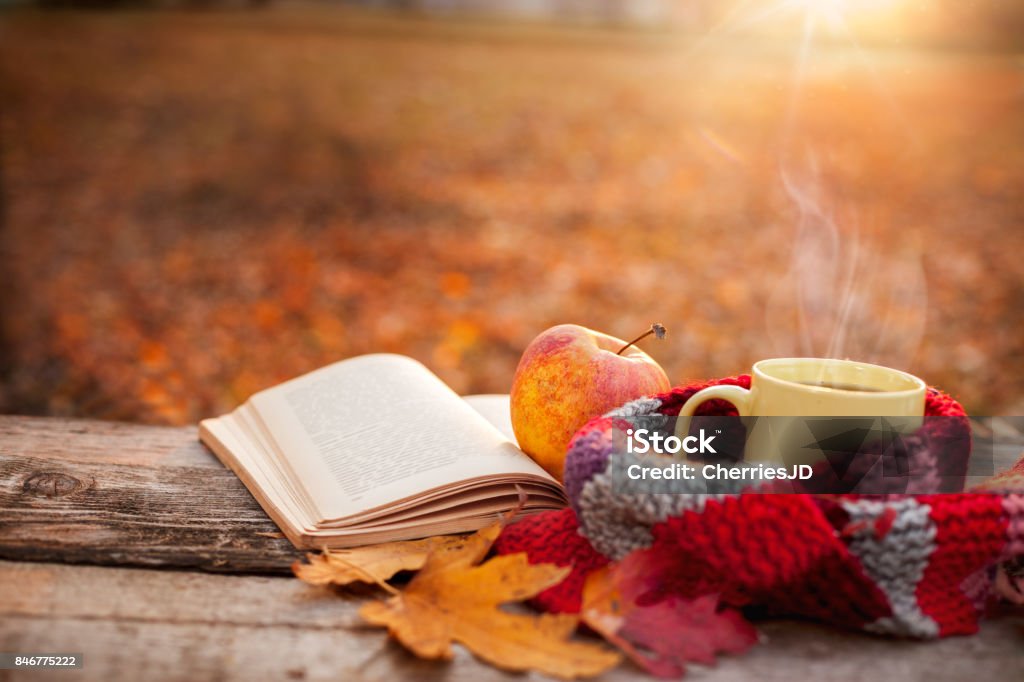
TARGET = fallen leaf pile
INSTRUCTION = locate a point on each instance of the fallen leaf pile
(456, 598)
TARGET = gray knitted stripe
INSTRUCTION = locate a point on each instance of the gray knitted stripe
(617, 523)
(977, 587)
(1013, 507)
(643, 407)
(896, 562)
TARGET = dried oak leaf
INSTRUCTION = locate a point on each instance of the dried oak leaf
(456, 598)
(374, 563)
(661, 637)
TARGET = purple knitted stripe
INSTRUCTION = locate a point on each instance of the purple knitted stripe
(587, 456)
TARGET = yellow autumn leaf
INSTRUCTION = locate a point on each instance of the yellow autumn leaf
(455, 598)
(373, 563)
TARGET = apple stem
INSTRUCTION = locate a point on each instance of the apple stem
(657, 329)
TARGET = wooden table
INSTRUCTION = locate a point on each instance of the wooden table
(94, 514)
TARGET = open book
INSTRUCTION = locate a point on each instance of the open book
(377, 448)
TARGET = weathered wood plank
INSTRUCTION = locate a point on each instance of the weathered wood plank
(103, 493)
(121, 494)
(193, 627)
(99, 442)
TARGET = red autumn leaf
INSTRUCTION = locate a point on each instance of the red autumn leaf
(678, 631)
(660, 636)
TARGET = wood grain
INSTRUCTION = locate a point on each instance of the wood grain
(118, 494)
(131, 623)
(101, 441)
(107, 493)
(104, 493)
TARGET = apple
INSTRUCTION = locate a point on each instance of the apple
(567, 376)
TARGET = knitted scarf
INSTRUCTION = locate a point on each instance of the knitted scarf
(907, 565)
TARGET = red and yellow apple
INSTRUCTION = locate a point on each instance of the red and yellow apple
(568, 375)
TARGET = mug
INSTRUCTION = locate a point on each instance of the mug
(803, 388)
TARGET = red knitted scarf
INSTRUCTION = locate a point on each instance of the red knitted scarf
(909, 565)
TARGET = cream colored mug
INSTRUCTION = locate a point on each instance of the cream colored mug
(813, 387)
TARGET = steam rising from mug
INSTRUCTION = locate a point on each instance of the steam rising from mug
(841, 298)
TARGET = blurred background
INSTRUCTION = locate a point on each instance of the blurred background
(200, 199)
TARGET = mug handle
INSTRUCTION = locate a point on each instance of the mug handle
(738, 396)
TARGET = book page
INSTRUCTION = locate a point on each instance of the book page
(372, 430)
(228, 440)
(495, 408)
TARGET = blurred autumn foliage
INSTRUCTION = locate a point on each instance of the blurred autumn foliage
(198, 206)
